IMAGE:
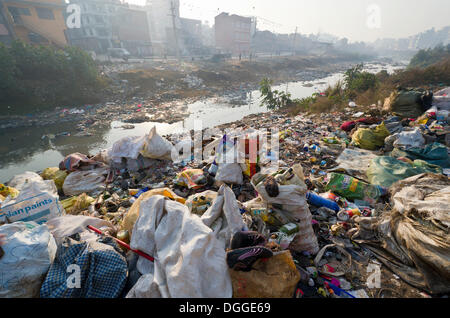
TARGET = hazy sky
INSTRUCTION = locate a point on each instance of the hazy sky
(343, 18)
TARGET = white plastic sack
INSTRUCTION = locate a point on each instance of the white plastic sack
(290, 194)
(127, 147)
(224, 216)
(189, 260)
(37, 201)
(85, 181)
(355, 162)
(441, 99)
(409, 139)
(103, 156)
(68, 225)
(20, 180)
(230, 173)
(156, 147)
(294, 208)
(29, 251)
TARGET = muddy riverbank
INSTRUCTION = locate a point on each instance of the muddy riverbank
(88, 130)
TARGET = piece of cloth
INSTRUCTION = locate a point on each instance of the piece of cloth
(102, 268)
(242, 259)
(75, 161)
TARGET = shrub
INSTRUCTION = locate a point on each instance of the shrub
(273, 99)
(48, 75)
(357, 81)
(425, 58)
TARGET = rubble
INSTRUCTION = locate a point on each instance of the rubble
(309, 228)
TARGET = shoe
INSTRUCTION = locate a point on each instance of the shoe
(246, 239)
(242, 259)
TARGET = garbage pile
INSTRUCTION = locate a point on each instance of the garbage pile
(333, 203)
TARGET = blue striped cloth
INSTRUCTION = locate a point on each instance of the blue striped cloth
(102, 271)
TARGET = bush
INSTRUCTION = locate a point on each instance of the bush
(48, 75)
(425, 58)
(357, 81)
(273, 99)
(8, 71)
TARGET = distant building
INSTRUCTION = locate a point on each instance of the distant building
(130, 28)
(6, 31)
(33, 21)
(162, 16)
(191, 36)
(233, 33)
(96, 32)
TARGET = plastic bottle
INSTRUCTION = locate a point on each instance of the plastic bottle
(141, 191)
(318, 201)
(213, 169)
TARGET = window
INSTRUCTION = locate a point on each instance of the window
(19, 11)
(45, 14)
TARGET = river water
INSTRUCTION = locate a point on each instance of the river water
(24, 149)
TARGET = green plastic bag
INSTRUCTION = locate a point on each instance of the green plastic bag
(405, 103)
(53, 173)
(385, 171)
(354, 189)
(435, 154)
(370, 139)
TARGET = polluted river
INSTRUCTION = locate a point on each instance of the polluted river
(30, 149)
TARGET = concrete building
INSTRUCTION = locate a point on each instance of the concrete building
(96, 32)
(130, 28)
(6, 31)
(233, 34)
(162, 15)
(191, 36)
(33, 21)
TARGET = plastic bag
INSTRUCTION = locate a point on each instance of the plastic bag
(156, 147)
(85, 181)
(352, 188)
(68, 225)
(275, 277)
(37, 201)
(75, 205)
(53, 173)
(434, 153)
(354, 162)
(191, 178)
(385, 171)
(127, 147)
(29, 251)
(8, 191)
(230, 173)
(408, 139)
(20, 180)
(370, 139)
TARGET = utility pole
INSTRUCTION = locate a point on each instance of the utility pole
(293, 44)
(172, 9)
